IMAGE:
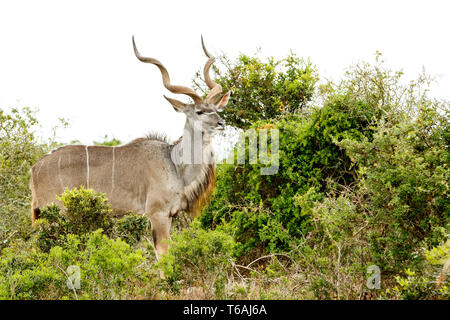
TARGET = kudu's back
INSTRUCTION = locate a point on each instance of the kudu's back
(132, 176)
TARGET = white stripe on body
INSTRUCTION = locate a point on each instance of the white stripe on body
(87, 166)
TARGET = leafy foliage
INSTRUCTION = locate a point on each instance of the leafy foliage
(108, 142)
(84, 211)
(109, 269)
(404, 182)
(19, 150)
(80, 235)
(263, 90)
(263, 207)
(201, 257)
(131, 227)
(363, 180)
(430, 283)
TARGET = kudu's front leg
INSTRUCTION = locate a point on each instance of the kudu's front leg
(161, 222)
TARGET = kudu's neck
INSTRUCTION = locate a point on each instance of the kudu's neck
(193, 154)
(193, 157)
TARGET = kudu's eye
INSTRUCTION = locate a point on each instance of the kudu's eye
(199, 112)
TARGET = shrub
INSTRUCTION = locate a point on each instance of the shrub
(262, 207)
(50, 228)
(335, 254)
(74, 236)
(397, 207)
(263, 90)
(404, 183)
(428, 283)
(131, 227)
(113, 267)
(84, 211)
(199, 257)
(109, 269)
(24, 274)
(19, 150)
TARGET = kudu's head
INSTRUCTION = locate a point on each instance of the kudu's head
(203, 113)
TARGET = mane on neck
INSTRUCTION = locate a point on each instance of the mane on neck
(199, 191)
(201, 188)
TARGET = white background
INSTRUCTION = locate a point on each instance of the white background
(74, 59)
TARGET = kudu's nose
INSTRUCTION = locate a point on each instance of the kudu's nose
(221, 123)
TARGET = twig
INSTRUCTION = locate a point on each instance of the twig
(270, 256)
(244, 267)
(73, 287)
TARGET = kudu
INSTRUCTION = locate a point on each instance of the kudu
(148, 174)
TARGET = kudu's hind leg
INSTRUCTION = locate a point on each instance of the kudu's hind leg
(35, 212)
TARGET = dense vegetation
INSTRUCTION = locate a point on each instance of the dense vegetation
(19, 150)
(263, 90)
(362, 181)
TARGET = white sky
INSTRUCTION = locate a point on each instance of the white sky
(75, 59)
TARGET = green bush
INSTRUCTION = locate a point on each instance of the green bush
(261, 207)
(19, 150)
(109, 269)
(263, 90)
(198, 257)
(331, 149)
(404, 182)
(84, 211)
(50, 228)
(75, 236)
(430, 282)
(335, 254)
(397, 207)
(131, 227)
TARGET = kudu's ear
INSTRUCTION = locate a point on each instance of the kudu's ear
(177, 105)
(223, 102)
